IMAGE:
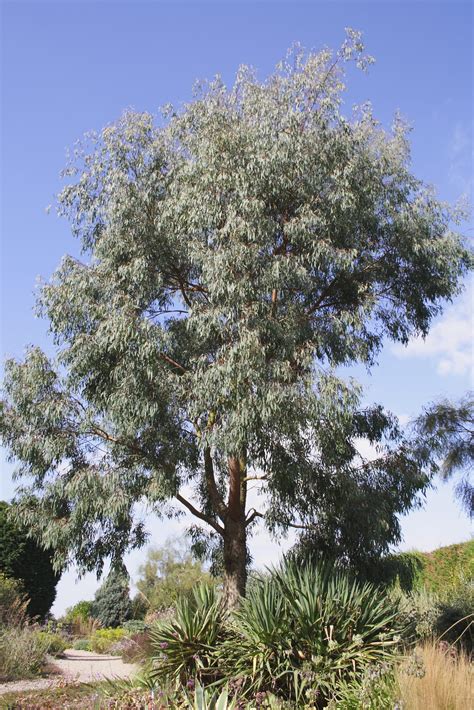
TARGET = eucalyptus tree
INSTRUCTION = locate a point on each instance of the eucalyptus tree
(236, 251)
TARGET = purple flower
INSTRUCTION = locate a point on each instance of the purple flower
(190, 684)
(164, 644)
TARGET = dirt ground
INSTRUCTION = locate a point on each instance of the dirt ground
(76, 666)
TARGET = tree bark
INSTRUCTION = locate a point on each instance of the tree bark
(235, 534)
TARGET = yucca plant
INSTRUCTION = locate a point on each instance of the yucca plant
(305, 629)
(205, 699)
(185, 647)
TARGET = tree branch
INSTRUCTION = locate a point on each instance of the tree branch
(172, 362)
(199, 514)
(252, 517)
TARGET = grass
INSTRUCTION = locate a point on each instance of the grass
(439, 679)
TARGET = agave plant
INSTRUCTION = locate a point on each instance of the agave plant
(185, 647)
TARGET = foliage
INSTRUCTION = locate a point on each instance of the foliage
(103, 639)
(448, 429)
(236, 252)
(299, 630)
(209, 700)
(446, 567)
(13, 603)
(112, 605)
(375, 690)
(81, 645)
(314, 621)
(186, 647)
(54, 643)
(455, 622)
(439, 572)
(23, 559)
(22, 652)
(134, 626)
(134, 648)
(169, 572)
(80, 611)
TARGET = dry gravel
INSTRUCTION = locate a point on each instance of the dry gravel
(76, 666)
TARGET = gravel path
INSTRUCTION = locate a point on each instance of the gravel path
(76, 666)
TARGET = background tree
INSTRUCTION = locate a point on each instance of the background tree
(22, 559)
(448, 432)
(169, 572)
(112, 605)
(236, 252)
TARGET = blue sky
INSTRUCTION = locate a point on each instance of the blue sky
(68, 67)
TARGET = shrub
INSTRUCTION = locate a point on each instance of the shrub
(134, 626)
(80, 611)
(22, 558)
(455, 621)
(312, 621)
(22, 652)
(13, 603)
(376, 689)
(186, 646)
(132, 649)
(82, 645)
(55, 644)
(103, 639)
(309, 627)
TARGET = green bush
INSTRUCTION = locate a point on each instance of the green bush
(81, 645)
(312, 621)
(103, 639)
(134, 626)
(22, 652)
(24, 559)
(455, 621)
(298, 628)
(376, 689)
(55, 643)
(81, 611)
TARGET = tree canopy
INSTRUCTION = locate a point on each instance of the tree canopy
(23, 560)
(447, 429)
(236, 252)
(169, 572)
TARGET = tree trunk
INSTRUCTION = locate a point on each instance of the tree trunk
(235, 561)
(235, 534)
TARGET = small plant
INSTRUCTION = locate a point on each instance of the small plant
(55, 643)
(185, 647)
(134, 626)
(22, 652)
(81, 645)
(205, 699)
(102, 640)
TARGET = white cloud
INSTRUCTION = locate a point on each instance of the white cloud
(450, 341)
(460, 154)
